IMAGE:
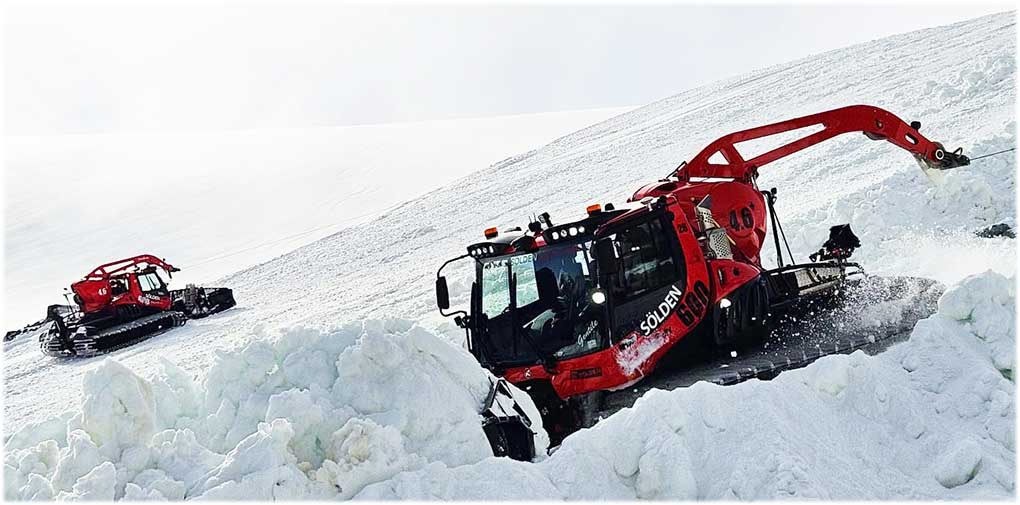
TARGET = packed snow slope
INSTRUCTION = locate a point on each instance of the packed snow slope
(321, 386)
(213, 203)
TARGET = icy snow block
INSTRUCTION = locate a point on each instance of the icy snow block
(958, 465)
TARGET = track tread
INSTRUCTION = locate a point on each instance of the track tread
(799, 343)
(119, 337)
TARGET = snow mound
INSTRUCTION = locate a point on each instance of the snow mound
(299, 413)
(930, 418)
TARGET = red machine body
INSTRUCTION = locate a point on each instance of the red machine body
(740, 208)
(738, 205)
(120, 284)
(637, 353)
(721, 289)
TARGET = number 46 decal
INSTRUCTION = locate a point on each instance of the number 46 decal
(745, 217)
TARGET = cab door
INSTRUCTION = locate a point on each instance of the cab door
(657, 285)
(650, 269)
(154, 291)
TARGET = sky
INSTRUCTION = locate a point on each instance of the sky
(189, 67)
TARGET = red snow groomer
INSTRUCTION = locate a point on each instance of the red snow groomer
(124, 301)
(574, 310)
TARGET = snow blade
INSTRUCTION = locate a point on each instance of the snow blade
(840, 246)
(197, 302)
(52, 309)
(506, 425)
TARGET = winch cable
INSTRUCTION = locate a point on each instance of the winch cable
(770, 205)
(779, 224)
(993, 154)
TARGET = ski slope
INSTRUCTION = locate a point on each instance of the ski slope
(334, 377)
(213, 203)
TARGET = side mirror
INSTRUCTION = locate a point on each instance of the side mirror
(605, 257)
(442, 293)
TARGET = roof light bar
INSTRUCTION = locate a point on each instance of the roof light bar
(487, 249)
(566, 231)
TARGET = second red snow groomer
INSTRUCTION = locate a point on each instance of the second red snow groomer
(123, 301)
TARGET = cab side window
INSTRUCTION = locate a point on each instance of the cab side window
(118, 286)
(647, 253)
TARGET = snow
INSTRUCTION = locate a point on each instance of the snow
(959, 465)
(334, 377)
(633, 357)
(300, 412)
(213, 203)
(908, 423)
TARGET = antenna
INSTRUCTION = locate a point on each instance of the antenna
(675, 170)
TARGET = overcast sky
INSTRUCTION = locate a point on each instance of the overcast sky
(190, 67)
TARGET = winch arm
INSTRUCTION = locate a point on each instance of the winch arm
(875, 123)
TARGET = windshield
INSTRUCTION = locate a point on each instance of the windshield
(539, 304)
(150, 282)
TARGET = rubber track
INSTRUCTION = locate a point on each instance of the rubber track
(115, 338)
(796, 344)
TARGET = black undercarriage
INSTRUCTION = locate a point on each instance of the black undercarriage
(838, 324)
(834, 313)
(73, 334)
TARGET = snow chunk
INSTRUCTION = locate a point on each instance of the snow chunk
(363, 453)
(79, 458)
(985, 304)
(36, 489)
(180, 455)
(302, 413)
(154, 484)
(31, 434)
(258, 465)
(118, 408)
(959, 464)
(97, 485)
